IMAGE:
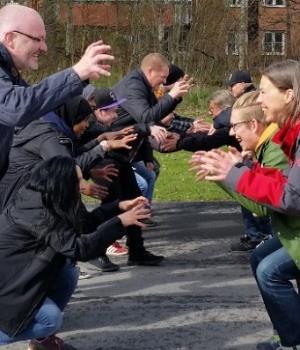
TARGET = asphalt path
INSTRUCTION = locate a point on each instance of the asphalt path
(201, 297)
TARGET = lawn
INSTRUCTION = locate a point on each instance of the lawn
(177, 183)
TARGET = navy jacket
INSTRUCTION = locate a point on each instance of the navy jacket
(20, 103)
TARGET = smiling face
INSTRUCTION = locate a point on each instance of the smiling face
(275, 103)
(247, 132)
(157, 76)
(27, 43)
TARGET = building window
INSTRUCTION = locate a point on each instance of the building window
(232, 47)
(274, 43)
(234, 3)
(275, 3)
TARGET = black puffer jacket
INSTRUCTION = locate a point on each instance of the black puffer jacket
(31, 253)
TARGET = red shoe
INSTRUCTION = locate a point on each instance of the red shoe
(50, 343)
(116, 249)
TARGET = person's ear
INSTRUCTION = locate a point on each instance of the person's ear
(254, 125)
(289, 96)
(9, 40)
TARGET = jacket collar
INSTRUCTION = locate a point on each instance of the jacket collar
(266, 135)
(8, 65)
(286, 137)
(140, 72)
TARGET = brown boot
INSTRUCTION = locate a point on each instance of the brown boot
(50, 343)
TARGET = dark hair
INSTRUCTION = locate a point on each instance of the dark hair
(56, 179)
(286, 75)
(175, 73)
(75, 110)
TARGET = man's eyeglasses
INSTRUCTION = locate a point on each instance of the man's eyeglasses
(234, 125)
(35, 38)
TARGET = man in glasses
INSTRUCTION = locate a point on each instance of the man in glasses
(22, 42)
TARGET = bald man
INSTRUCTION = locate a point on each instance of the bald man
(22, 42)
(138, 88)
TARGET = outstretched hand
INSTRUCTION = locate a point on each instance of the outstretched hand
(181, 87)
(170, 144)
(122, 143)
(106, 172)
(92, 190)
(213, 165)
(158, 133)
(129, 204)
(135, 215)
(93, 63)
(114, 135)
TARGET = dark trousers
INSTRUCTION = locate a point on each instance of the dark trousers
(125, 187)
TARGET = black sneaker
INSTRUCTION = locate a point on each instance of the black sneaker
(244, 245)
(275, 345)
(150, 222)
(145, 258)
(106, 265)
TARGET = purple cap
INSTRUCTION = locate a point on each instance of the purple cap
(106, 99)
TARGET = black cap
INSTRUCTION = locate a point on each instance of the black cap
(106, 99)
(239, 76)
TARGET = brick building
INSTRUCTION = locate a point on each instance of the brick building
(272, 27)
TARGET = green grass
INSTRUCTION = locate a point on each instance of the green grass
(177, 183)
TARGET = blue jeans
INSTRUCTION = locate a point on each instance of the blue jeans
(48, 319)
(142, 183)
(273, 269)
(256, 227)
(148, 175)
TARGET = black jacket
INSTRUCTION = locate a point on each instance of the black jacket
(141, 105)
(38, 141)
(204, 142)
(20, 103)
(32, 251)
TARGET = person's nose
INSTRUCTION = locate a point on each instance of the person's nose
(43, 46)
(259, 98)
(232, 132)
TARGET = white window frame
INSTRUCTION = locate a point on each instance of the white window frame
(234, 3)
(274, 52)
(236, 50)
(274, 4)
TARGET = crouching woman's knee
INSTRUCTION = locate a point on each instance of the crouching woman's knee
(49, 317)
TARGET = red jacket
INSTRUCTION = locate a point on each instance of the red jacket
(269, 186)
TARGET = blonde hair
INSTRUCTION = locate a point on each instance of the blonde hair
(249, 108)
(155, 61)
(222, 98)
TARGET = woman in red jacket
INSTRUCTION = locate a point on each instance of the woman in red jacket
(277, 261)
